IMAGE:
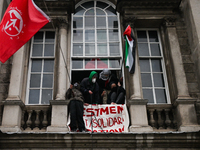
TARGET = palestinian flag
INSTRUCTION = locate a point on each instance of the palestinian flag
(129, 49)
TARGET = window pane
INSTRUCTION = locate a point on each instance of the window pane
(78, 35)
(89, 36)
(102, 49)
(101, 36)
(49, 50)
(144, 65)
(36, 66)
(89, 22)
(155, 50)
(100, 12)
(160, 96)
(90, 12)
(77, 64)
(50, 36)
(101, 22)
(143, 49)
(37, 50)
(34, 96)
(79, 11)
(156, 65)
(111, 11)
(102, 63)
(38, 37)
(114, 49)
(89, 63)
(114, 63)
(77, 49)
(142, 37)
(146, 80)
(113, 35)
(46, 96)
(47, 81)
(48, 65)
(35, 80)
(148, 94)
(153, 37)
(112, 22)
(78, 22)
(101, 5)
(89, 49)
(88, 4)
(158, 80)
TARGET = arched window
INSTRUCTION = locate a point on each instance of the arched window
(95, 39)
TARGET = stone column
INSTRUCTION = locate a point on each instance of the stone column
(186, 115)
(60, 105)
(11, 121)
(137, 105)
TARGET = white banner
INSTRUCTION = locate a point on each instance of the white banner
(106, 118)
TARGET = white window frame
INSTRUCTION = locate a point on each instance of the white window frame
(162, 64)
(41, 58)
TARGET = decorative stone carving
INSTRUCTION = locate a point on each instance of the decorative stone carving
(129, 20)
(169, 21)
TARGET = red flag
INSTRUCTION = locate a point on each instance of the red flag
(20, 22)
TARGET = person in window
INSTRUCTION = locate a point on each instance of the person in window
(90, 89)
(76, 107)
(110, 82)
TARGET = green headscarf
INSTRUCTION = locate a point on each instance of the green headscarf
(91, 75)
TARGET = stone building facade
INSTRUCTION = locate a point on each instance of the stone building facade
(162, 96)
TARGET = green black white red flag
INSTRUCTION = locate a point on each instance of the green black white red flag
(129, 49)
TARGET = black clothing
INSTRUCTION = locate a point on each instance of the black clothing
(119, 96)
(86, 85)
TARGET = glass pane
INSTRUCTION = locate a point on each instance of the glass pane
(47, 80)
(102, 63)
(146, 80)
(77, 49)
(50, 36)
(90, 12)
(153, 37)
(89, 49)
(101, 22)
(46, 96)
(142, 37)
(114, 49)
(143, 49)
(101, 49)
(48, 65)
(101, 5)
(158, 80)
(79, 11)
(160, 96)
(100, 12)
(89, 63)
(89, 36)
(111, 11)
(38, 37)
(156, 65)
(35, 80)
(89, 22)
(114, 63)
(144, 65)
(155, 50)
(88, 4)
(101, 36)
(37, 50)
(77, 64)
(36, 66)
(148, 94)
(112, 22)
(78, 22)
(78, 35)
(34, 96)
(113, 35)
(49, 50)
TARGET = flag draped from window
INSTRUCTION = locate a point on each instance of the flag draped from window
(129, 49)
(20, 22)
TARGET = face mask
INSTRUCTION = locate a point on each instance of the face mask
(93, 80)
(77, 86)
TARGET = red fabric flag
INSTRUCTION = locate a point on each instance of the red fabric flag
(20, 22)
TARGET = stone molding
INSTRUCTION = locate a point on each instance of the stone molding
(14, 102)
(137, 102)
(129, 20)
(59, 102)
(169, 21)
